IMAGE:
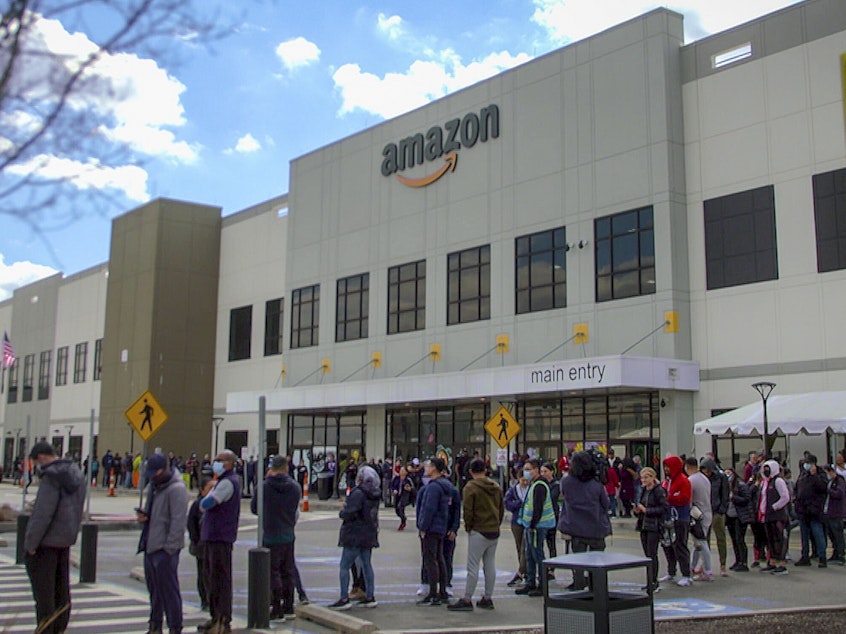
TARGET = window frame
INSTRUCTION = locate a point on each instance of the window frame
(526, 250)
(62, 355)
(460, 275)
(98, 359)
(615, 236)
(28, 378)
(12, 394)
(351, 292)
(274, 324)
(80, 362)
(401, 277)
(240, 332)
(830, 219)
(45, 366)
(308, 334)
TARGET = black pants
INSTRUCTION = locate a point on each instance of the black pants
(649, 543)
(581, 579)
(283, 574)
(161, 572)
(219, 580)
(201, 581)
(449, 556)
(550, 543)
(435, 564)
(678, 554)
(759, 535)
(49, 572)
(776, 543)
(400, 511)
(737, 531)
(834, 530)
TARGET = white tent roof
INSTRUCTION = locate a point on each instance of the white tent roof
(813, 413)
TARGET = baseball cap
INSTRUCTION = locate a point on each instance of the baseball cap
(415, 461)
(154, 463)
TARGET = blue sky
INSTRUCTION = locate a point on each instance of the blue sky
(220, 126)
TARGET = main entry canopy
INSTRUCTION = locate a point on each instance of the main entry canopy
(813, 413)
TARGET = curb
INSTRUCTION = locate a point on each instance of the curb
(339, 621)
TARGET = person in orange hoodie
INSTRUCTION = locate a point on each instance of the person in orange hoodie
(678, 498)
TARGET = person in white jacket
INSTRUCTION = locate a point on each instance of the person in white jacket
(772, 510)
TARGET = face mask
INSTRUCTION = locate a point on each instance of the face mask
(731, 478)
(807, 466)
(217, 468)
(766, 472)
(527, 475)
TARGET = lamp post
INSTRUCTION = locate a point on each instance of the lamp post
(764, 388)
(217, 420)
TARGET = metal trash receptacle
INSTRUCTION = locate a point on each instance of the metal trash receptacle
(324, 485)
(597, 609)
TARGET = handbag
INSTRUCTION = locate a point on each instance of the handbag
(696, 528)
(668, 527)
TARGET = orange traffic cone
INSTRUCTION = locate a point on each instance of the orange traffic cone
(112, 485)
(305, 493)
(348, 491)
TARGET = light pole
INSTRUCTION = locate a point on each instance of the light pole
(764, 388)
(217, 420)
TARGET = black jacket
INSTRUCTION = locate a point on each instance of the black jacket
(811, 490)
(656, 505)
(360, 515)
(281, 506)
(745, 499)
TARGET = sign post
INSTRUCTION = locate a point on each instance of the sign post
(502, 427)
(146, 417)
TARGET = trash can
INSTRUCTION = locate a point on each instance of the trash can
(324, 485)
(597, 610)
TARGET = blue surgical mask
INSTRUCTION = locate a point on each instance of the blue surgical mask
(527, 475)
(807, 466)
(217, 468)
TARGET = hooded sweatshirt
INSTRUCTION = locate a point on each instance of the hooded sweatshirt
(677, 487)
(483, 506)
(360, 515)
(775, 496)
(281, 508)
(58, 507)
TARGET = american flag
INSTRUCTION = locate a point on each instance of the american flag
(9, 357)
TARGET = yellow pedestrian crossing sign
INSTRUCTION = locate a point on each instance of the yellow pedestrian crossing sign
(146, 415)
(502, 427)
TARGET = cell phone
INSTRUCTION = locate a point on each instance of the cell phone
(138, 509)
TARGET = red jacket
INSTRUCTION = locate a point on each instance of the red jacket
(677, 486)
(612, 482)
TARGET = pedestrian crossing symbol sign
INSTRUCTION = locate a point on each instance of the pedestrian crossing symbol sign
(502, 427)
(146, 415)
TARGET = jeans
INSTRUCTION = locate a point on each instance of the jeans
(812, 528)
(348, 557)
(480, 548)
(161, 573)
(534, 540)
(834, 528)
(49, 572)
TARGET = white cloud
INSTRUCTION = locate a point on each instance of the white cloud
(572, 20)
(396, 93)
(19, 274)
(246, 144)
(391, 26)
(297, 53)
(90, 174)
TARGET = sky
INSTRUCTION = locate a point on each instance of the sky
(219, 124)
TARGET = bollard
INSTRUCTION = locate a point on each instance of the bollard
(305, 493)
(88, 554)
(258, 588)
(20, 553)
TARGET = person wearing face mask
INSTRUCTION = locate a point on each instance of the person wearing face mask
(834, 510)
(514, 499)
(772, 512)
(739, 515)
(537, 519)
(811, 489)
(219, 530)
(50, 532)
(163, 521)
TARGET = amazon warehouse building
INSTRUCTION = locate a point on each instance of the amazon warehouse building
(612, 242)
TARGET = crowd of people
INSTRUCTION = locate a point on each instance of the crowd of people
(574, 498)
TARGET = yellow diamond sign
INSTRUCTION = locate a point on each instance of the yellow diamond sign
(502, 427)
(146, 415)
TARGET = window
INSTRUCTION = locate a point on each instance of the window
(625, 255)
(305, 316)
(98, 359)
(541, 271)
(830, 219)
(80, 361)
(407, 297)
(740, 238)
(44, 375)
(352, 309)
(28, 377)
(13, 382)
(240, 332)
(732, 55)
(273, 312)
(62, 366)
(469, 285)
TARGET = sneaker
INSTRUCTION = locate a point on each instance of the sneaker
(485, 604)
(535, 592)
(822, 564)
(207, 625)
(367, 603)
(770, 568)
(696, 571)
(304, 599)
(356, 594)
(684, 582)
(779, 570)
(516, 580)
(804, 561)
(704, 576)
(756, 563)
(667, 578)
(429, 601)
(462, 605)
(277, 614)
(449, 592)
(422, 590)
(742, 568)
(524, 590)
(341, 604)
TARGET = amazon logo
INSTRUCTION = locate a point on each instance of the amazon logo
(439, 142)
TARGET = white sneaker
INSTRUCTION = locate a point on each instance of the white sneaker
(684, 582)
(449, 592)
(667, 578)
(422, 590)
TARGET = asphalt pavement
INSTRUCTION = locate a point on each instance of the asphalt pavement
(397, 571)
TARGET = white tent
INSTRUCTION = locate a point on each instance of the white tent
(813, 413)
